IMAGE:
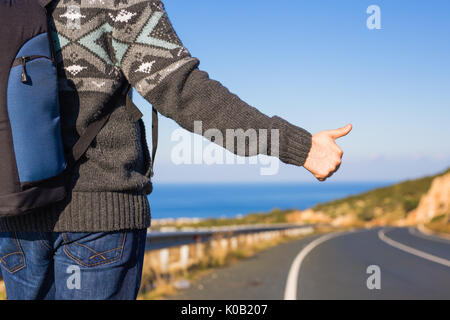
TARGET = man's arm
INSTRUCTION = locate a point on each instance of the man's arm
(156, 63)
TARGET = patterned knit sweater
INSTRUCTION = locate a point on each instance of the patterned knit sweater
(100, 44)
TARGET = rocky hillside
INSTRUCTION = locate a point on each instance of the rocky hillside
(420, 201)
(434, 207)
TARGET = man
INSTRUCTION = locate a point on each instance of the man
(91, 245)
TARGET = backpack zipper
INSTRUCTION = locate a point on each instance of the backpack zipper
(23, 60)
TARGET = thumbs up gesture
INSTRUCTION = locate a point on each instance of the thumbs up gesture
(325, 156)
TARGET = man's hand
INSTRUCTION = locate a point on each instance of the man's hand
(325, 156)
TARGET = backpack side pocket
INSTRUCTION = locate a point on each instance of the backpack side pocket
(33, 109)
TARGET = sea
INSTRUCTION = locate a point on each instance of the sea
(237, 199)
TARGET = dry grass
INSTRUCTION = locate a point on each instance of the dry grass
(440, 225)
(2, 290)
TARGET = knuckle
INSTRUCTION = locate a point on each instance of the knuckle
(321, 175)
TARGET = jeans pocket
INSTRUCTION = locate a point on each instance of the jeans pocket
(94, 249)
(12, 258)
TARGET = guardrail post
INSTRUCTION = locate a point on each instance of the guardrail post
(164, 260)
(199, 251)
(224, 244)
(184, 256)
(234, 243)
(249, 239)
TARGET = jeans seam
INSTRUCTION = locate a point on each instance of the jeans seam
(19, 252)
(66, 250)
(42, 242)
(100, 254)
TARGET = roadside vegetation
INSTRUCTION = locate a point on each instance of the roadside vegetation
(272, 217)
(2, 290)
(440, 224)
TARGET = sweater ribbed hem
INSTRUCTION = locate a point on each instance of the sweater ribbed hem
(86, 212)
(295, 142)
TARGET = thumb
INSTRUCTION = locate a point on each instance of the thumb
(339, 133)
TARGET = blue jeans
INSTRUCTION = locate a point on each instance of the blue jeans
(80, 266)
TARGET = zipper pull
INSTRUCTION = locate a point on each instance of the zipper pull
(24, 76)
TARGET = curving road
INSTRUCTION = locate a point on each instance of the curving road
(412, 265)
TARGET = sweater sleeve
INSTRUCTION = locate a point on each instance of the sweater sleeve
(161, 69)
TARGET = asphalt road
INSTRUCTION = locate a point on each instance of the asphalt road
(334, 266)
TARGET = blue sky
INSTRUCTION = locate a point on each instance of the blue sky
(316, 64)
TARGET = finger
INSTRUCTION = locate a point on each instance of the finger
(334, 171)
(338, 151)
(341, 132)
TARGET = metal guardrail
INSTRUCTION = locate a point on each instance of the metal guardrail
(159, 240)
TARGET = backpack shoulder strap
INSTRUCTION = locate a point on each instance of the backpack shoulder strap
(91, 132)
(154, 136)
(45, 3)
(135, 115)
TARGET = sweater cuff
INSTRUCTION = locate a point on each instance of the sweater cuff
(295, 142)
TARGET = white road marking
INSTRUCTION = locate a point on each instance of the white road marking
(290, 292)
(408, 249)
(418, 233)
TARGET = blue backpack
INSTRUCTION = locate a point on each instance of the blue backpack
(34, 168)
